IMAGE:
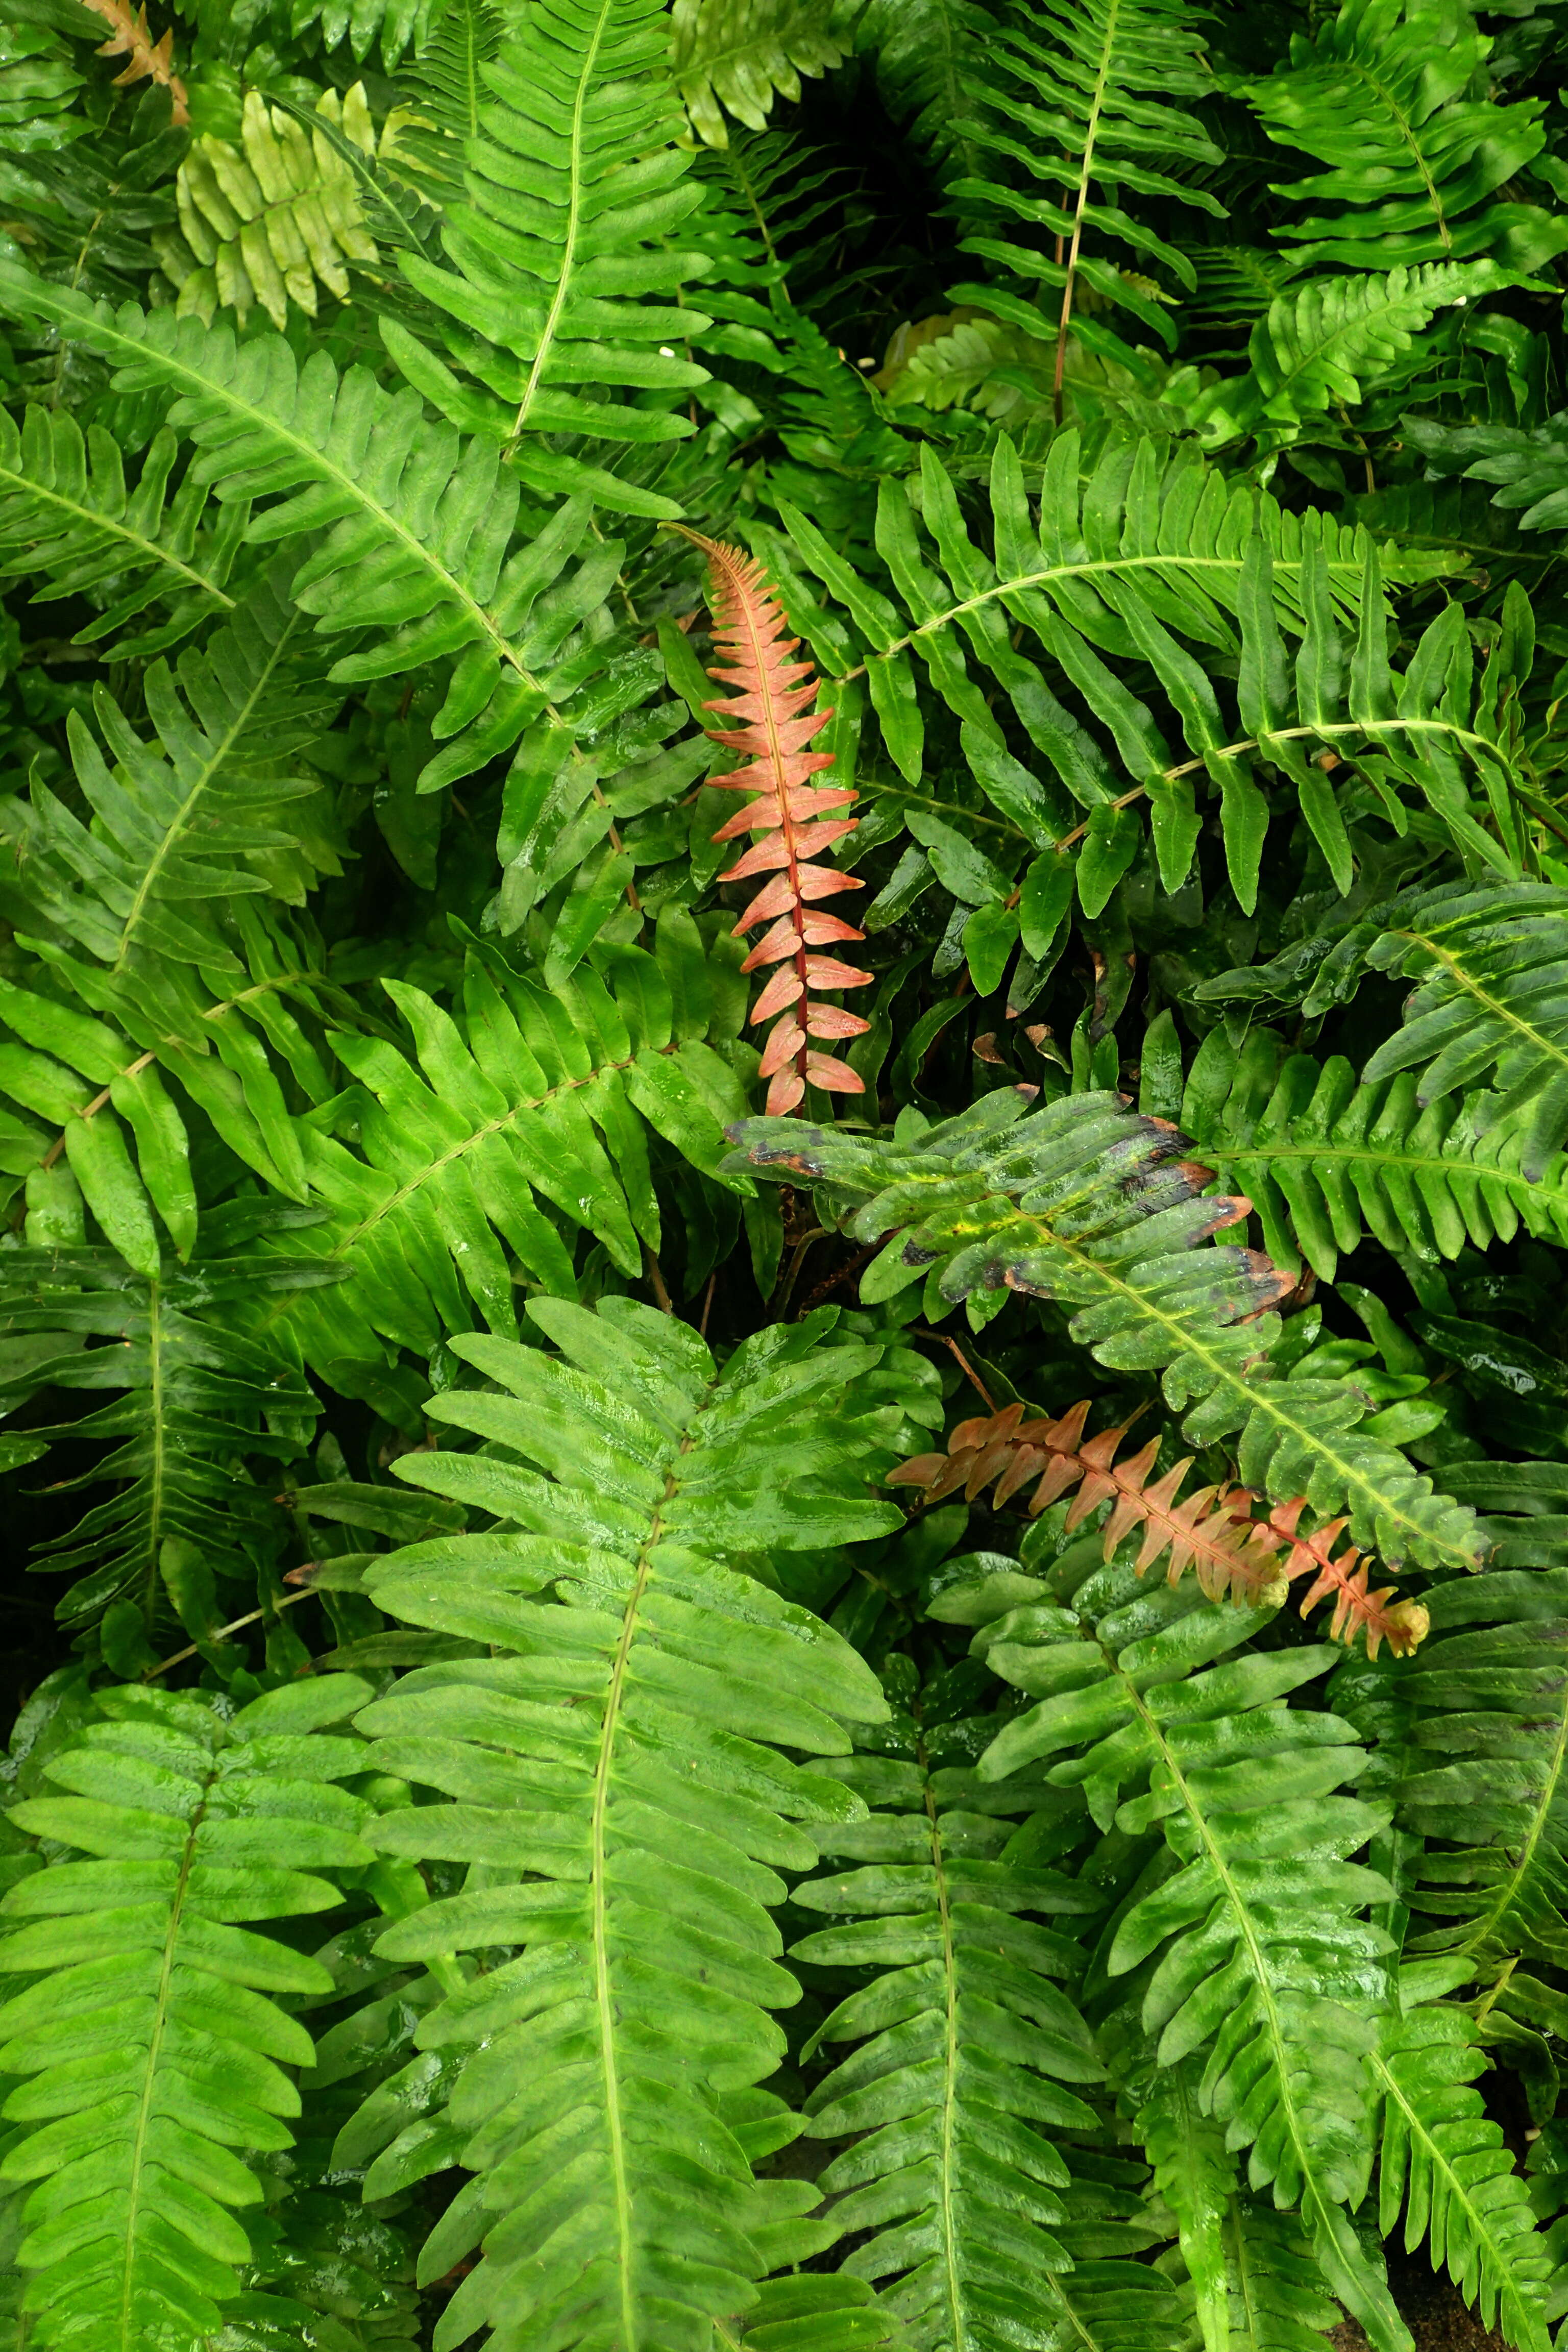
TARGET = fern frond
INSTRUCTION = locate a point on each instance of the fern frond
(1382, 97)
(1178, 555)
(416, 524)
(741, 54)
(964, 2044)
(38, 84)
(266, 220)
(70, 521)
(1529, 465)
(1330, 341)
(511, 1137)
(1443, 2161)
(1195, 2172)
(1079, 98)
(1324, 1158)
(1485, 1768)
(150, 2046)
(931, 54)
(795, 820)
(442, 93)
(1235, 1556)
(1088, 1204)
(1486, 959)
(1265, 1964)
(175, 823)
(199, 1395)
(575, 186)
(626, 1838)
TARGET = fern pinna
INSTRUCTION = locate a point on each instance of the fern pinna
(784, 1162)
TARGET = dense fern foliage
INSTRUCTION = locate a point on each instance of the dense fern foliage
(784, 1173)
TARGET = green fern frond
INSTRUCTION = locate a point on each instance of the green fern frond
(1277, 2301)
(199, 1392)
(1383, 95)
(1330, 343)
(180, 826)
(441, 96)
(1087, 1203)
(1130, 564)
(625, 1840)
(1257, 2284)
(575, 186)
(1530, 467)
(412, 526)
(1264, 1963)
(1443, 2161)
(399, 23)
(70, 521)
(930, 56)
(1325, 1160)
(150, 2046)
(511, 1138)
(1484, 1776)
(964, 2043)
(267, 221)
(1488, 1004)
(1079, 98)
(740, 55)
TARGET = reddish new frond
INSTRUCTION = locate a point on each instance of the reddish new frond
(1402, 1625)
(130, 37)
(1234, 1555)
(790, 820)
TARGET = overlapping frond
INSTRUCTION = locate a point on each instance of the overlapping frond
(1443, 2161)
(199, 1395)
(268, 219)
(1325, 1158)
(1142, 562)
(1384, 96)
(966, 2051)
(1264, 1963)
(150, 2047)
(1332, 341)
(628, 1840)
(1078, 99)
(1487, 962)
(72, 524)
(740, 55)
(180, 825)
(411, 525)
(1483, 1773)
(575, 191)
(482, 1155)
(1235, 1555)
(1088, 1203)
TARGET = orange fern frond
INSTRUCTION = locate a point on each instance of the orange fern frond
(130, 37)
(792, 822)
(1402, 1625)
(1234, 1555)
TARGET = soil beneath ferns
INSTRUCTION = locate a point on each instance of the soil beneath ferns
(1433, 2310)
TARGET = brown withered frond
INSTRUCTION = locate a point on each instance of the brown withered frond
(130, 37)
(1235, 1555)
(792, 822)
